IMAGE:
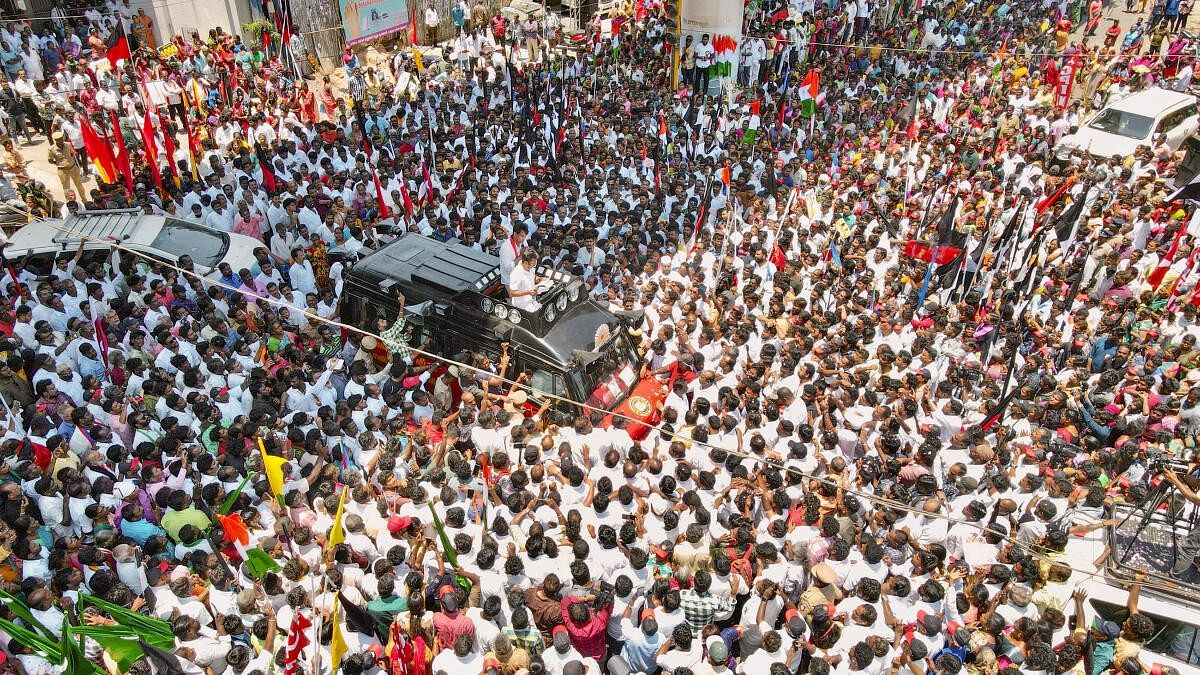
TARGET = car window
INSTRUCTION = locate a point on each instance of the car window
(1123, 123)
(548, 382)
(1176, 639)
(178, 237)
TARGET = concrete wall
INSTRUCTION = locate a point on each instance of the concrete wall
(181, 17)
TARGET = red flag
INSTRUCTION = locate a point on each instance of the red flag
(1158, 273)
(297, 641)
(99, 150)
(101, 340)
(408, 202)
(16, 280)
(923, 251)
(122, 158)
(778, 259)
(384, 211)
(413, 22)
(427, 181)
(726, 175)
(151, 147)
(169, 150)
(699, 221)
(1046, 203)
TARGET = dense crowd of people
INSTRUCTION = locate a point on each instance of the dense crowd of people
(914, 352)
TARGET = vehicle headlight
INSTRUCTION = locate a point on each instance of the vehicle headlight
(500, 311)
(514, 315)
(573, 292)
(487, 305)
(561, 302)
(551, 315)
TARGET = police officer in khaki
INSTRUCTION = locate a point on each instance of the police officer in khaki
(63, 157)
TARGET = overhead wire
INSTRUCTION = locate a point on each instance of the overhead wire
(885, 502)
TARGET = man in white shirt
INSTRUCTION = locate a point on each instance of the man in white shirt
(522, 287)
(510, 251)
(704, 58)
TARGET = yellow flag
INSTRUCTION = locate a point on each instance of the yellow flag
(417, 60)
(273, 467)
(337, 642)
(337, 535)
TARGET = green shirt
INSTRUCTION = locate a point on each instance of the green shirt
(384, 611)
(174, 521)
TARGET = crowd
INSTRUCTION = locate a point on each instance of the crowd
(915, 354)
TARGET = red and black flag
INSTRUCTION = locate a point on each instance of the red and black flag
(269, 182)
(118, 46)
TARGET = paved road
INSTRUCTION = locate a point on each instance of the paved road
(40, 169)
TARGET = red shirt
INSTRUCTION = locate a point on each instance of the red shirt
(587, 637)
(450, 626)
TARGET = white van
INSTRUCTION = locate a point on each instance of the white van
(1121, 126)
(1173, 606)
(163, 238)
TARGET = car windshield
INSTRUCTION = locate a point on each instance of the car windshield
(612, 375)
(1123, 123)
(179, 237)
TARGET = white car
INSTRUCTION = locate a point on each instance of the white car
(163, 238)
(1120, 127)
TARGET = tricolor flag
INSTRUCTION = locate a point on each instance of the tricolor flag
(810, 93)
(752, 124)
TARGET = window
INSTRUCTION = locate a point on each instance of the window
(550, 383)
(178, 237)
(1176, 118)
(1175, 639)
(1122, 123)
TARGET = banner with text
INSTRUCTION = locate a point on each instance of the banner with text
(366, 20)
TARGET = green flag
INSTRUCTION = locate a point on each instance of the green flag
(121, 643)
(448, 550)
(44, 647)
(21, 611)
(258, 563)
(231, 498)
(74, 662)
(147, 626)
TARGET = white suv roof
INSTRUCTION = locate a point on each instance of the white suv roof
(123, 225)
(1152, 101)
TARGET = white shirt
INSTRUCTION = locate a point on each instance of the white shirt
(510, 254)
(521, 279)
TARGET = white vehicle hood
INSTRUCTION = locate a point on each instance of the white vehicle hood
(1100, 143)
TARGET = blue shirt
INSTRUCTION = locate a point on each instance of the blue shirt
(141, 530)
(640, 649)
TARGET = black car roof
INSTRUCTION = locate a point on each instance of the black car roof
(413, 260)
